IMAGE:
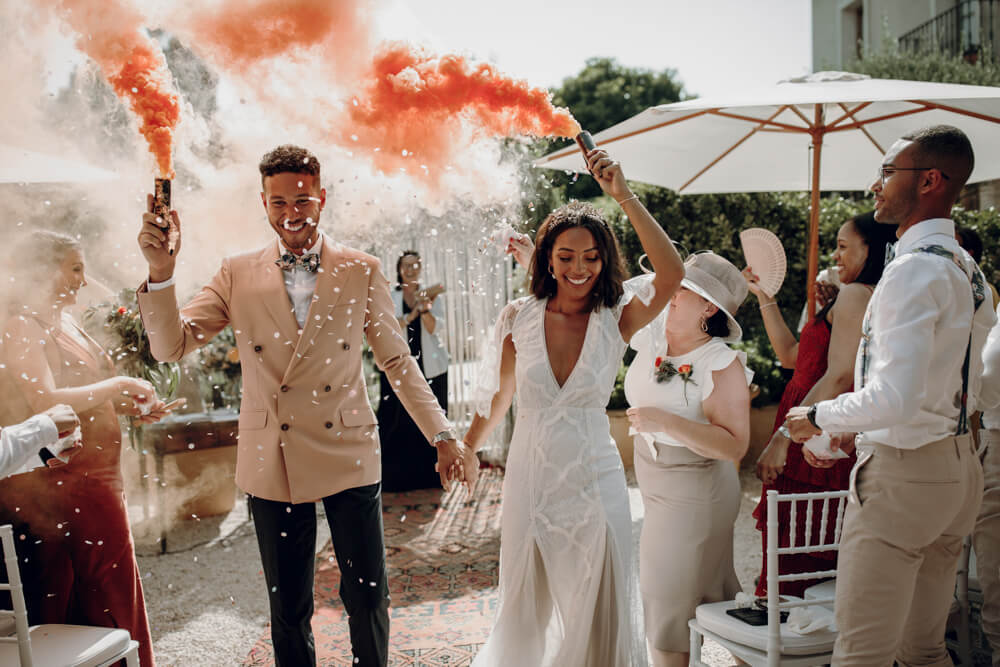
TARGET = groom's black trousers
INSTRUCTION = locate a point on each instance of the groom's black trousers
(286, 535)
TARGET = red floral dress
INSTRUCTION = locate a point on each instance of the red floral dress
(799, 476)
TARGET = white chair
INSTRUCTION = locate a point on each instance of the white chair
(774, 644)
(56, 645)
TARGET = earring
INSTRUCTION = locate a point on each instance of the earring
(704, 325)
(551, 272)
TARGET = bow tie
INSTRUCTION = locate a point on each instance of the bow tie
(307, 262)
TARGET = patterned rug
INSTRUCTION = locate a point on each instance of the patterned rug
(443, 552)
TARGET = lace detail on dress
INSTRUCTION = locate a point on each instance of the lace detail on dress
(488, 377)
(566, 533)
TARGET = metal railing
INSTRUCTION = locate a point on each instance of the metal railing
(968, 29)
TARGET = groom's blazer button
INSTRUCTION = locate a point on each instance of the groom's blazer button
(258, 348)
(347, 346)
(284, 387)
(327, 388)
(329, 424)
(284, 427)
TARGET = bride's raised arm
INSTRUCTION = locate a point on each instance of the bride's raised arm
(668, 267)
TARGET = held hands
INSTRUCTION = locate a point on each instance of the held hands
(470, 465)
(450, 462)
(608, 174)
(771, 461)
(153, 242)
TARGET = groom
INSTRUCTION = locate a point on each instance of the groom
(300, 308)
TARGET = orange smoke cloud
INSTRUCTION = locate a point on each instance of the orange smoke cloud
(244, 32)
(110, 34)
(404, 108)
(417, 104)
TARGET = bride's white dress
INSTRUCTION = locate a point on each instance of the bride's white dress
(568, 593)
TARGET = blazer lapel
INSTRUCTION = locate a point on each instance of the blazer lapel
(275, 296)
(330, 281)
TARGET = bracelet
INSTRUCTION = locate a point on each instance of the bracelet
(783, 430)
(768, 305)
(627, 199)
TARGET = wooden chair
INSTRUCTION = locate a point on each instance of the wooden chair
(56, 645)
(774, 644)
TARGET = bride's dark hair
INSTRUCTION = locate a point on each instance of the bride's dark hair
(608, 286)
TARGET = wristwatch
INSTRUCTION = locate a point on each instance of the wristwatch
(811, 416)
(447, 434)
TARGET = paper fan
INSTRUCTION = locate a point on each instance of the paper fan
(765, 256)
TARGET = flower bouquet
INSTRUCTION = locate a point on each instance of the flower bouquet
(116, 324)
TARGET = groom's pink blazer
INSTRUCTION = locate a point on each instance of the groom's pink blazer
(306, 429)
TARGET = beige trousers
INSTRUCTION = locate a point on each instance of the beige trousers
(908, 513)
(986, 541)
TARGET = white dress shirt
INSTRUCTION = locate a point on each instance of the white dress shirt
(20, 443)
(299, 283)
(919, 321)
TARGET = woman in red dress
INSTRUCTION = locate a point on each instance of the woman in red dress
(823, 359)
(74, 541)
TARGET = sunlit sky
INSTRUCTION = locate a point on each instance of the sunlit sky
(716, 46)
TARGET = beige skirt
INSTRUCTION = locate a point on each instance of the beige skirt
(686, 549)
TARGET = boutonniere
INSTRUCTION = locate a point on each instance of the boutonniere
(664, 371)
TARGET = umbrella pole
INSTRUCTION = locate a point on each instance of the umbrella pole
(813, 265)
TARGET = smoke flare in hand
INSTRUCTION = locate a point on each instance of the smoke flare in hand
(110, 33)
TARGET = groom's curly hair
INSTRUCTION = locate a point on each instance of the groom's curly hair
(289, 158)
(608, 287)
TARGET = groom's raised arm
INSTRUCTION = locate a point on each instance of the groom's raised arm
(175, 332)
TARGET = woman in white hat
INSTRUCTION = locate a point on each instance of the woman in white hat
(691, 410)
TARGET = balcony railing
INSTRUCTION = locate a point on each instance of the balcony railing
(968, 29)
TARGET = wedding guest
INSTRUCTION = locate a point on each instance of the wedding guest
(823, 359)
(300, 307)
(420, 312)
(972, 243)
(34, 442)
(690, 404)
(83, 570)
(567, 589)
(918, 483)
(986, 536)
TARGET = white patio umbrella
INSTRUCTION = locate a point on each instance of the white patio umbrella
(825, 131)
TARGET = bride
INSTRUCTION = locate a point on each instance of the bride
(567, 588)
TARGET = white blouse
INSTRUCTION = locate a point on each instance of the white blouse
(675, 395)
